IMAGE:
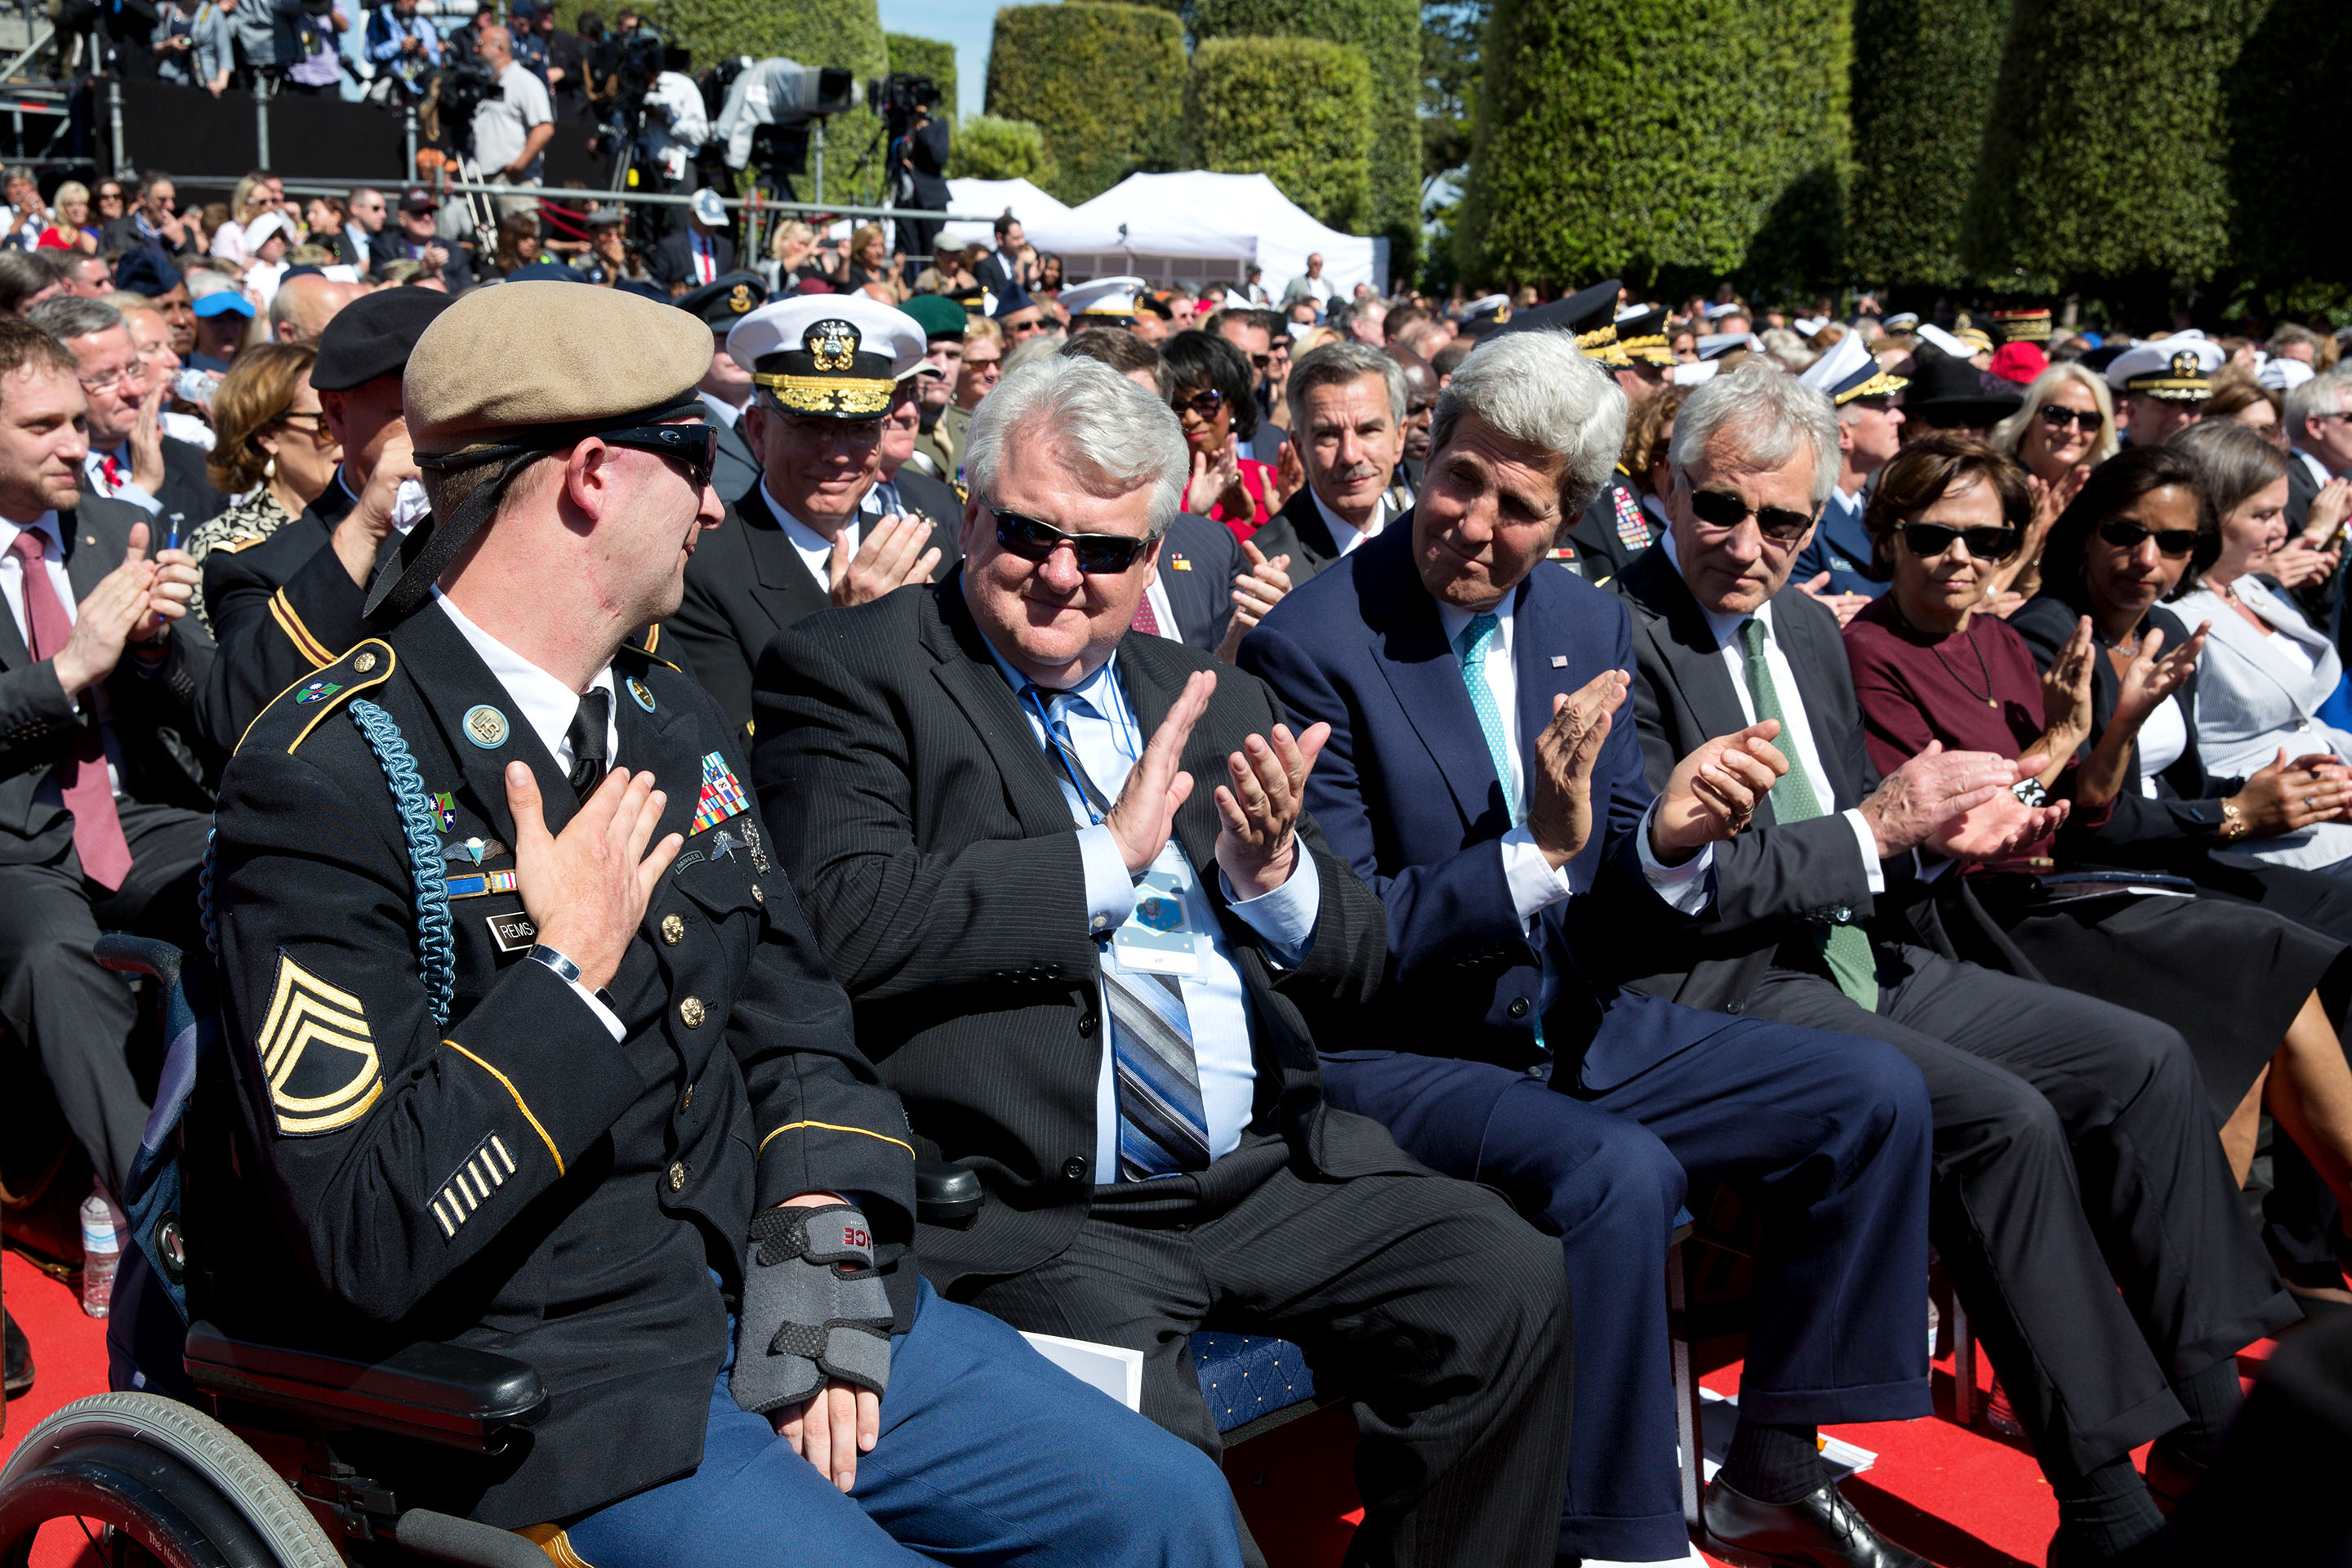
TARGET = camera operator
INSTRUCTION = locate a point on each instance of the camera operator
(920, 160)
(512, 125)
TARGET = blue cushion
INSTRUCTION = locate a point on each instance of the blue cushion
(1245, 1376)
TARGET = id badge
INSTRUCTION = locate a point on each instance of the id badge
(1157, 938)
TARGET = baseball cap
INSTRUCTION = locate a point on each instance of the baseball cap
(418, 199)
(220, 302)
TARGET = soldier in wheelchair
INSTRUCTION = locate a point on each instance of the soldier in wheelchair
(536, 1203)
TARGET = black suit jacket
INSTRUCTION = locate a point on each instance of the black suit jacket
(1775, 879)
(185, 491)
(673, 260)
(1198, 560)
(150, 714)
(390, 245)
(744, 583)
(1299, 532)
(934, 851)
(738, 468)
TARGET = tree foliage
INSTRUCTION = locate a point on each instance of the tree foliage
(1630, 137)
(926, 57)
(1452, 32)
(1924, 72)
(1298, 111)
(1387, 34)
(1104, 83)
(988, 148)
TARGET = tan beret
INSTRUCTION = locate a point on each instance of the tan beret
(520, 355)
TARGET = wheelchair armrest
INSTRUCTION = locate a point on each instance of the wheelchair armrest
(449, 1395)
(140, 955)
(945, 1193)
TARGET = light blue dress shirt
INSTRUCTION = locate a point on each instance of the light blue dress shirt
(1108, 738)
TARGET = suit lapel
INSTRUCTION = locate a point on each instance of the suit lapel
(1541, 659)
(1694, 663)
(789, 591)
(1424, 672)
(1307, 521)
(1815, 668)
(982, 695)
(89, 557)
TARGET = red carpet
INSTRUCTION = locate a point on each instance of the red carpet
(1960, 1498)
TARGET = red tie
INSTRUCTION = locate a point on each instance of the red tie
(1145, 621)
(82, 771)
(111, 470)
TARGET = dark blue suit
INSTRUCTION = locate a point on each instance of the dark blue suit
(1841, 547)
(1596, 1125)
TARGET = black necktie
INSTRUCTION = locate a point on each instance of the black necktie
(586, 738)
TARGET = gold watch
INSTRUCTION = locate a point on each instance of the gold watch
(2233, 823)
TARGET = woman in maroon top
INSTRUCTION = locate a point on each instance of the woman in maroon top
(2239, 982)
(1217, 404)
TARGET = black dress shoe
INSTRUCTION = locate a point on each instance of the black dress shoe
(20, 1361)
(1820, 1530)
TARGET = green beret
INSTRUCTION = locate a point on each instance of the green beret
(941, 318)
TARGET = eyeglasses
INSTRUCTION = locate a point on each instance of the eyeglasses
(2125, 534)
(131, 379)
(2057, 416)
(1204, 403)
(694, 444)
(1722, 510)
(1929, 539)
(1098, 554)
(316, 429)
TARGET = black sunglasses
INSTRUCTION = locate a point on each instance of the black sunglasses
(695, 445)
(1204, 403)
(2056, 415)
(1099, 554)
(2125, 534)
(1926, 540)
(1721, 509)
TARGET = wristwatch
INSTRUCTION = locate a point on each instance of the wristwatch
(2233, 823)
(2030, 792)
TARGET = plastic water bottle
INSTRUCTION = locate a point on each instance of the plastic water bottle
(101, 1249)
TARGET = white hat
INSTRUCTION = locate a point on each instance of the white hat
(1731, 308)
(1808, 325)
(1945, 341)
(1696, 372)
(1104, 296)
(836, 355)
(1712, 345)
(1901, 321)
(1236, 302)
(1848, 371)
(2284, 375)
(708, 206)
(262, 227)
(2178, 369)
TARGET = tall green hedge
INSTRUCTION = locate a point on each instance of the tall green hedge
(1924, 72)
(2107, 152)
(1388, 32)
(1624, 137)
(926, 57)
(987, 148)
(1105, 83)
(1298, 111)
(2293, 228)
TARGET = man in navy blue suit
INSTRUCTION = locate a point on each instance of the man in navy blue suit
(1481, 777)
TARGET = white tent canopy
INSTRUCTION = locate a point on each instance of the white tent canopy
(1026, 202)
(1197, 226)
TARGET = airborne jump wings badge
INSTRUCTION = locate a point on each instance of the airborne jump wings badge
(318, 1054)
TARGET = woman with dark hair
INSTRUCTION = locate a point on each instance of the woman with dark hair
(1216, 400)
(2242, 983)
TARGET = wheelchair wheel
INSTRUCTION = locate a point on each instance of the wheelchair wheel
(148, 1479)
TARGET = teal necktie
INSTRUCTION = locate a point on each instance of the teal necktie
(1846, 948)
(1472, 645)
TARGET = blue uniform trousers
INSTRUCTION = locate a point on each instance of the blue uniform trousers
(1829, 1134)
(989, 1453)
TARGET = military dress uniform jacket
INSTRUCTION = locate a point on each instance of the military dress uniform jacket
(514, 1180)
(1609, 534)
(282, 607)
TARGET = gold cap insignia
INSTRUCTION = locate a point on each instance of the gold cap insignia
(2185, 365)
(833, 342)
(739, 299)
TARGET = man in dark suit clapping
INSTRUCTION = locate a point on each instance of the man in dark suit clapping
(129, 458)
(1351, 404)
(1101, 987)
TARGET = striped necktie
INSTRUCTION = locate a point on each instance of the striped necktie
(1163, 1129)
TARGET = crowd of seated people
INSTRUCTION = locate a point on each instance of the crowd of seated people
(1366, 896)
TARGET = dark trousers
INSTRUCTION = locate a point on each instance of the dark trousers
(1434, 1306)
(77, 1017)
(1827, 1133)
(2074, 1155)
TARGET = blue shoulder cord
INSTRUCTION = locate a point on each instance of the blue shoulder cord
(436, 945)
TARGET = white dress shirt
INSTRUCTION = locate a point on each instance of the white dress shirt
(93, 465)
(815, 550)
(726, 412)
(1796, 742)
(2313, 466)
(1108, 737)
(12, 584)
(1346, 534)
(547, 706)
(1536, 884)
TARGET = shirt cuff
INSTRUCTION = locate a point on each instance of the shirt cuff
(139, 498)
(1110, 891)
(1284, 917)
(1688, 887)
(604, 1015)
(1872, 871)
(1536, 885)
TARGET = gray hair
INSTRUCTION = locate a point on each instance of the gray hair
(1115, 436)
(2233, 461)
(1336, 364)
(1537, 387)
(1767, 412)
(2010, 434)
(68, 317)
(2320, 394)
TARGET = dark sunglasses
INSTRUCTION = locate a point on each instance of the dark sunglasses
(1099, 554)
(2057, 414)
(1926, 540)
(1721, 509)
(2126, 534)
(1259, 361)
(695, 445)
(1204, 403)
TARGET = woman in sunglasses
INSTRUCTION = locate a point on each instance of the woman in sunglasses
(1216, 401)
(2241, 981)
(2064, 429)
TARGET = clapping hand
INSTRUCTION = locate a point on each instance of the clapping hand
(104, 621)
(2284, 796)
(2154, 675)
(1996, 829)
(1846, 606)
(1256, 592)
(1713, 792)
(2299, 561)
(1145, 812)
(2329, 507)
(1560, 784)
(1933, 790)
(168, 594)
(2066, 697)
(1259, 843)
(890, 556)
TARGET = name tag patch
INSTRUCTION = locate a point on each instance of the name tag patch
(513, 932)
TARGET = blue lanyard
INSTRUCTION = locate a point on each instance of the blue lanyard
(1029, 689)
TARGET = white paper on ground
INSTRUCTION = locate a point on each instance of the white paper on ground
(1719, 1412)
(1117, 1371)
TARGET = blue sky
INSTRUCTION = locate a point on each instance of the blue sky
(966, 23)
